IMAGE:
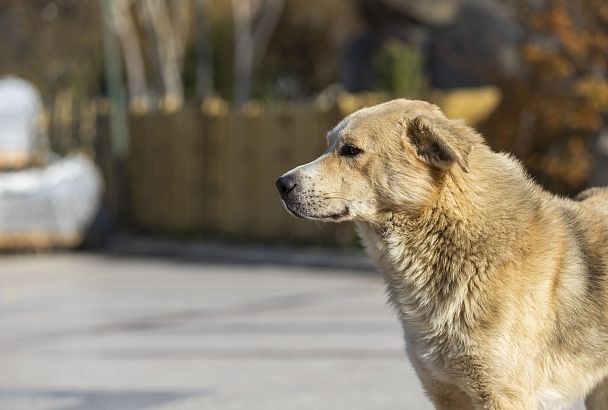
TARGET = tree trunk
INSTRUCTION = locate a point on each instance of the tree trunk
(268, 21)
(243, 51)
(132, 54)
(167, 49)
(251, 42)
(204, 57)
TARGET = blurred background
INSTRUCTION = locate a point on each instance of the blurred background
(146, 260)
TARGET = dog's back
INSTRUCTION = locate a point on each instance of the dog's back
(597, 197)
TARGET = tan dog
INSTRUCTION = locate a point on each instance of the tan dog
(500, 286)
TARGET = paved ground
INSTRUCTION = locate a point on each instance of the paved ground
(92, 332)
(217, 327)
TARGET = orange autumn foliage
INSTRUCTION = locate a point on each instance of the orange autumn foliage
(549, 115)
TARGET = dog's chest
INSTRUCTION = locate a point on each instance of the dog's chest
(430, 316)
(439, 359)
(426, 291)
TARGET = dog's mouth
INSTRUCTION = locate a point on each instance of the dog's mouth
(323, 217)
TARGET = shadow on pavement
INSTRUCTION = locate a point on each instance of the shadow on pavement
(95, 399)
(343, 259)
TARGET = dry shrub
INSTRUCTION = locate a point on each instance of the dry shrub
(549, 115)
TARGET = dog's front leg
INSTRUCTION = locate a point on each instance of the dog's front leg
(598, 398)
(444, 396)
(451, 400)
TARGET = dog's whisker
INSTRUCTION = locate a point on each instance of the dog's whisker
(333, 197)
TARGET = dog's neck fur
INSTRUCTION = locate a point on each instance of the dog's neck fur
(436, 260)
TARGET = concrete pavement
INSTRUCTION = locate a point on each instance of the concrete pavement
(81, 332)
(216, 327)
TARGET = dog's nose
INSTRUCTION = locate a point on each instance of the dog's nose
(285, 185)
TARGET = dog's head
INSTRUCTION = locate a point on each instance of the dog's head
(390, 156)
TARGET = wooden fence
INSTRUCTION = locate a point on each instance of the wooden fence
(196, 172)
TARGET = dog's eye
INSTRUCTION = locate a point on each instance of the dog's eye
(349, 150)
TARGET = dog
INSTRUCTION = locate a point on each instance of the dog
(500, 286)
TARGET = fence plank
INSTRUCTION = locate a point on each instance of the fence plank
(218, 171)
(271, 215)
(212, 178)
(186, 179)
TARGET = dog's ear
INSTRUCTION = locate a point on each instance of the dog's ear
(439, 142)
